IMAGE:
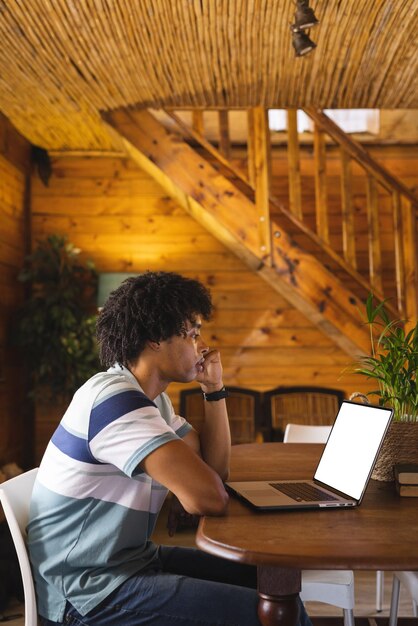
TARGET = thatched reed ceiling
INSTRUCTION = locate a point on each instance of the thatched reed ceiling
(62, 61)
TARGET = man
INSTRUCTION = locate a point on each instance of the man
(107, 469)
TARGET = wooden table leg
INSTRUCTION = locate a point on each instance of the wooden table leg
(279, 592)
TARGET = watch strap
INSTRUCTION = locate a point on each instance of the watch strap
(216, 395)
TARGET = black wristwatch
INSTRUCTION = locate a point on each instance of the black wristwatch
(216, 395)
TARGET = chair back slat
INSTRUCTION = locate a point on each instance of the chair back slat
(300, 405)
(244, 412)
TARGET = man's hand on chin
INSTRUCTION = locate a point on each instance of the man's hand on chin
(210, 378)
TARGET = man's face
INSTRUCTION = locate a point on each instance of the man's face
(182, 356)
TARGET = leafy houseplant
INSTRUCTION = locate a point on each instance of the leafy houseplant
(56, 326)
(393, 362)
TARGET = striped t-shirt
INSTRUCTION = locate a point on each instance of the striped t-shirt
(93, 510)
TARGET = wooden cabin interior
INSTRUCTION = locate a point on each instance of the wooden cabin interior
(155, 118)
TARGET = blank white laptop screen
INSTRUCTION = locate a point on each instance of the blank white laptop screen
(352, 444)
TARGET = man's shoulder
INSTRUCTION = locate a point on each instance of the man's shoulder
(116, 390)
(112, 380)
(103, 389)
(164, 404)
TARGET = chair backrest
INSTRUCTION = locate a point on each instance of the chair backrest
(244, 412)
(314, 406)
(15, 497)
(301, 433)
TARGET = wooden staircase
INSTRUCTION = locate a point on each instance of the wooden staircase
(315, 270)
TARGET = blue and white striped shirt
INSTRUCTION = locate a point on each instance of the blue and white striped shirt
(93, 510)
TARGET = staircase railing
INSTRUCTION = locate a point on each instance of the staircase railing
(390, 266)
(403, 208)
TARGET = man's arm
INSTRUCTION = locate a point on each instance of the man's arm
(213, 443)
(215, 435)
(214, 439)
(198, 487)
(193, 468)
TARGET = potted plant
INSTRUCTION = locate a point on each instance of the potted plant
(55, 330)
(56, 325)
(393, 365)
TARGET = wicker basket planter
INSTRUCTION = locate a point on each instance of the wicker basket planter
(400, 446)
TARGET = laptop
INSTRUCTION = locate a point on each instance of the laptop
(343, 471)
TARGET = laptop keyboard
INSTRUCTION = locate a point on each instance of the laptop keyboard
(302, 492)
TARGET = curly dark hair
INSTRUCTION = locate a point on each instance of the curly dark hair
(150, 307)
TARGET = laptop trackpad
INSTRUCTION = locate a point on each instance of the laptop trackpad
(259, 493)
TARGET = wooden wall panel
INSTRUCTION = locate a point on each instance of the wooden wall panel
(14, 167)
(124, 222)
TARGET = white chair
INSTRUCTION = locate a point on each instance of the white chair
(334, 587)
(301, 433)
(380, 575)
(380, 590)
(15, 497)
(410, 581)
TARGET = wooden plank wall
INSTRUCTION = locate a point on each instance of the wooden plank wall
(14, 167)
(121, 219)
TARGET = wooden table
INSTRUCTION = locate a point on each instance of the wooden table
(380, 534)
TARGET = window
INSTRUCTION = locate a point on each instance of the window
(350, 120)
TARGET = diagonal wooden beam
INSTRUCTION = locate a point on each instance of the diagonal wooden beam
(232, 218)
(324, 298)
(200, 139)
(198, 187)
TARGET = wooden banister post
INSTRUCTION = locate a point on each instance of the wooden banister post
(224, 141)
(375, 254)
(409, 223)
(250, 146)
(321, 184)
(295, 192)
(197, 122)
(398, 247)
(262, 155)
(348, 235)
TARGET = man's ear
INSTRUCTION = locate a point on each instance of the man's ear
(154, 345)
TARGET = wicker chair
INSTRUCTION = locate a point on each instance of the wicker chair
(244, 412)
(316, 406)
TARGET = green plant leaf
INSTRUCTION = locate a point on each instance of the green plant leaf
(56, 325)
(393, 361)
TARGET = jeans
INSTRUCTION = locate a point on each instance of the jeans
(186, 587)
